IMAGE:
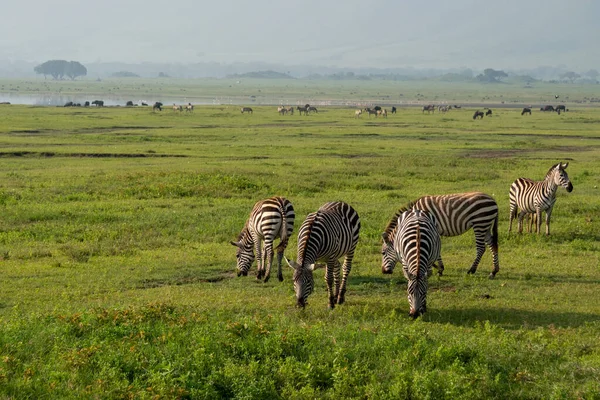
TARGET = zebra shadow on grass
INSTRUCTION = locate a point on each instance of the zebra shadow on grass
(508, 318)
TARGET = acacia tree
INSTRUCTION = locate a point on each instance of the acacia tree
(58, 69)
(491, 75)
(570, 75)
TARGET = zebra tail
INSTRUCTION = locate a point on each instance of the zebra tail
(495, 234)
(283, 231)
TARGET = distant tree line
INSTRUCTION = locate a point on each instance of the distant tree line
(58, 69)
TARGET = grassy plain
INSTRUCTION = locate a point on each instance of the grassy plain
(118, 280)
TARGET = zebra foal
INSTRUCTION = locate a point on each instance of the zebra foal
(455, 214)
(269, 219)
(537, 196)
(327, 234)
(416, 245)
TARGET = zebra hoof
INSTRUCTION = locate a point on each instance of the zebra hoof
(492, 275)
(266, 279)
(471, 271)
(280, 278)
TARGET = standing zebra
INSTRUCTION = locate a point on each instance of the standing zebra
(537, 196)
(416, 245)
(455, 214)
(326, 235)
(269, 219)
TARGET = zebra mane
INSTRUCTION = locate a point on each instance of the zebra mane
(245, 231)
(550, 171)
(310, 220)
(418, 245)
(391, 226)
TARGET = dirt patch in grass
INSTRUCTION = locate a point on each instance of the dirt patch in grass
(182, 280)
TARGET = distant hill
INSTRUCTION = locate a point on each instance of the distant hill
(262, 75)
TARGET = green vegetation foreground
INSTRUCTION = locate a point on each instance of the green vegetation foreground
(118, 279)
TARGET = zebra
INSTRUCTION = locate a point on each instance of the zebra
(269, 219)
(416, 245)
(537, 196)
(246, 109)
(327, 234)
(455, 214)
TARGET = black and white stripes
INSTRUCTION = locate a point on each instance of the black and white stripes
(455, 214)
(416, 244)
(269, 219)
(326, 235)
(530, 196)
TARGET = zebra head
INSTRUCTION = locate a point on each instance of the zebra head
(388, 254)
(245, 257)
(303, 281)
(417, 294)
(561, 178)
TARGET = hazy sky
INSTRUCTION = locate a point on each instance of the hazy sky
(342, 33)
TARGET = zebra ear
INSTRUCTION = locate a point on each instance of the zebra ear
(237, 244)
(291, 263)
(564, 166)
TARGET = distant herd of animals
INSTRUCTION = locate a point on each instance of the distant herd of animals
(307, 109)
(412, 237)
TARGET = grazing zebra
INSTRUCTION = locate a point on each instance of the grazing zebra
(246, 109)
(455, 214)
(537, 196)
(526, 110)
(371, 112)
(357, 113)
(281, 110)
(312, 109)
(326, 235)
(177, 108)
(269, 219)
(478, 114)
(416, 245)
(430, 108)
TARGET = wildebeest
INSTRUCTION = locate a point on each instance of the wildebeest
(144, 103)
(157, 106)
(393, 110)
(560, 108)
(129, 103)
(86, 104)
(478, 114)
(312, 109)
(547, 108)
(526, 110)
(69, 104)
(302, 110)
(377, 108)
(488, 112)
(246, 110)
(98, 103)
(430, 108)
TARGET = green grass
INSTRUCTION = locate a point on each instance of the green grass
(118, 279)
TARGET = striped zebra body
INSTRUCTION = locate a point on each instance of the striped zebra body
(417, 246)
(535, 197)
(326, 235)
(269, 219)
(455, 214)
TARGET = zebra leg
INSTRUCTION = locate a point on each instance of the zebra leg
(548, 213)
(538, 216)
(329, 268)
(521, 215)
(345, 272)
(268, 254)
(439, 265)
(492, 243)
(259, 259)
(480, 246)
